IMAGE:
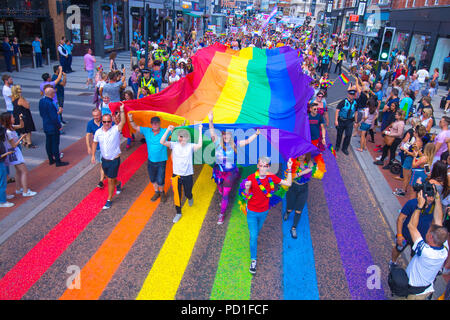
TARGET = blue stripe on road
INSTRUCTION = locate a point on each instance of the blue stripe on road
(299, 271)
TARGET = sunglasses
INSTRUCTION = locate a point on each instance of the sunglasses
(106, 121)
(264, 165)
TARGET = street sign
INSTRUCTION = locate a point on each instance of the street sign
(362, 8)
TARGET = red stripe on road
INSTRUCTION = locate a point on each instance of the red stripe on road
(36, 262)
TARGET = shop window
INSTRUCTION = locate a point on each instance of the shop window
(441, 52)
(420, 49)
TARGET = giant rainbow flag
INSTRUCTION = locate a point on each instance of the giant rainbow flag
(256, 87)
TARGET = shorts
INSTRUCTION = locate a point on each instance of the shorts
(364, 126)
(297, 196)
(98, 156)
(407, 163)
(90, 74)
(111, 167)
(157, 172)
(416, 174)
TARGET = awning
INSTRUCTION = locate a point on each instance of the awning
(195, 14)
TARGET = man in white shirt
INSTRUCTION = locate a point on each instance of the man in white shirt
(183, 171)
(430, 254)
(8, 82)
(422, 76)
(108, 136)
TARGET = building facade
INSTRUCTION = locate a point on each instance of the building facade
(303, 8)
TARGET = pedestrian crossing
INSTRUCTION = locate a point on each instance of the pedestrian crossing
(166, 274)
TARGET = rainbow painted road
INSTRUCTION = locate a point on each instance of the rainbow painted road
(144, 256)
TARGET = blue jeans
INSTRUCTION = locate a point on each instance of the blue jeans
(38, 59)
(3, 182)
(255, 221)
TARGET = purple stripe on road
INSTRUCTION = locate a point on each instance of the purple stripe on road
(355, 255)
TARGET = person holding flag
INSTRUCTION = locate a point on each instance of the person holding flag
(259, 188)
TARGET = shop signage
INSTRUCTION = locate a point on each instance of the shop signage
(354, 18)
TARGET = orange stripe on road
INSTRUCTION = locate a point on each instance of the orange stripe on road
(99, 270)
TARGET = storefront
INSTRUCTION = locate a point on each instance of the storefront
(423, 33)
(25, 20)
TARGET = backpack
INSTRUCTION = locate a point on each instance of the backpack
(398, 282)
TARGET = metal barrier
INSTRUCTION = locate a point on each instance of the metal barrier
(34, 60)
(48, 56)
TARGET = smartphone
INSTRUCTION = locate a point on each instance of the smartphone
(426, 168)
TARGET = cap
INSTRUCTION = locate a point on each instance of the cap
(145, 70)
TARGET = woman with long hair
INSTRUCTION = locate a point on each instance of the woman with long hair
(367, 123)
(112, 61)
(420, 160)
(22, 107)
(12, 144)
(225, 171)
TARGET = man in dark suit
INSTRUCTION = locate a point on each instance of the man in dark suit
(52, 124)
(8, 53)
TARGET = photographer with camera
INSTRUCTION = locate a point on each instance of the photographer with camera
(420, 219)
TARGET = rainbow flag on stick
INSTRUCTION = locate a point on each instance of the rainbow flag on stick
(344, 79)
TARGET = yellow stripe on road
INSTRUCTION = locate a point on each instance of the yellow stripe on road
(165, 276)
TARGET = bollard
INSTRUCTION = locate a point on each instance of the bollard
(34, 60)
(48, 56)
(17, 62)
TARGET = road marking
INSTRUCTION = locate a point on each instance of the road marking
(167, 271)
(16, 283)
(99, 270)
(233, 281)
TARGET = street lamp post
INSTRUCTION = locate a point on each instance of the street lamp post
(174, 16)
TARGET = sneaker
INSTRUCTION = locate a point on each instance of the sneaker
(9, 196)
(155, 196)
(61, 155)
(378, 158)
(119, 188)
(6, 204)
(176, 218)
(107, 205)
(294, 233)
(221, 218)
(19, 191)
(253, 267)
(29, 193)
(387, 167)
(100, 184)
(191, 202)
(163, 196)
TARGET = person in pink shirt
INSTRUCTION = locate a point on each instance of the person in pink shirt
(440, 140)
(89, 66)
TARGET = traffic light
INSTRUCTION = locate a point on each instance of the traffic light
(155, 25)
(386, 44)
(374, 48)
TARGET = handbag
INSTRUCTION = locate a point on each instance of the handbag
(388, 140)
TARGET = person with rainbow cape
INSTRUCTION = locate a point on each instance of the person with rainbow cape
(258, 189)
(225, 170)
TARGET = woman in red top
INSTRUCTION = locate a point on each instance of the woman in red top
(259, 187)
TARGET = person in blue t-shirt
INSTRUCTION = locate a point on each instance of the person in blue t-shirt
(407, 102)
(37, 48)
(157, 154)
(403, 237)
(92, 126)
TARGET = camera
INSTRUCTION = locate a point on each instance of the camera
(426, 187)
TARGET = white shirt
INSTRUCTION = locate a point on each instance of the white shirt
(422, 74)
(7, 95)
(425, 265)
(182, 158)
(109, 142)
